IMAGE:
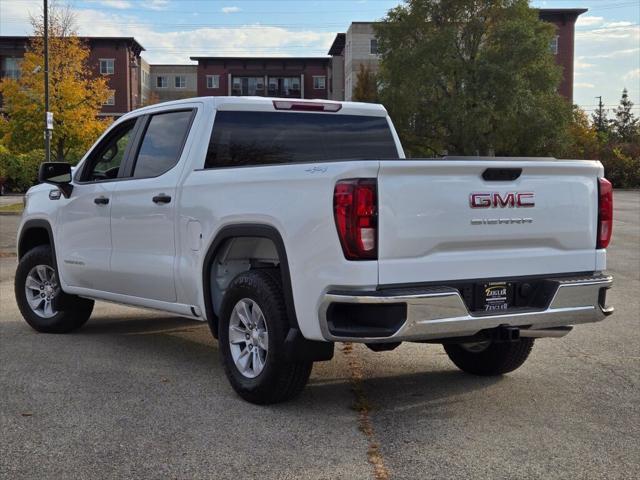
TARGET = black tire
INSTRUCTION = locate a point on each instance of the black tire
(71, 312)
(280, 380)
(495, 359)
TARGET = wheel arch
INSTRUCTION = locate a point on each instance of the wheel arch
(239, 231)
(34, 233)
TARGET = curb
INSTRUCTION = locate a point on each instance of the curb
(10, 214)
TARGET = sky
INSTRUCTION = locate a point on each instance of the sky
(607, 47)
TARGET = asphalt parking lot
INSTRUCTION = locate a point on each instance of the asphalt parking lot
(138, 394)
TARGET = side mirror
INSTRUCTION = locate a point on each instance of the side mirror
(58, 174)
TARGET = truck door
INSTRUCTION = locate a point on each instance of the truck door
(83, 242)
(144, 214)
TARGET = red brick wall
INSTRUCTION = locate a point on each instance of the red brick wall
(316, 70)
(120, 80)
(564, 58)
(565, 21)
(206, 68)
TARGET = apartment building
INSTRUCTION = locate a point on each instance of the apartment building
(287, 77)
(173, 82)
(359, 46)
(135, 83)
(563, 44)
(117, 58)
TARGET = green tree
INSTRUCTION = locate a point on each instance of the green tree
(625, 124)
(582, 137)
(76, 96)
(366, 89)
(471, 77)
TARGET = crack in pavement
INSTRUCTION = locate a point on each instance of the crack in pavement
(363, 407)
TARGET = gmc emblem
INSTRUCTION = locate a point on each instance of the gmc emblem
(502, 200)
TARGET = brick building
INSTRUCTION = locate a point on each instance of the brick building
(136, 83)
(289, 77)
(563, 45)
(117, 58)
(358, 46)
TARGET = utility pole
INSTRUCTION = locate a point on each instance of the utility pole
(48, 117)
(600, 113)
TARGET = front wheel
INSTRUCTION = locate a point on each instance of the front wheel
(489, 358)
(252, 330)
(38, 295)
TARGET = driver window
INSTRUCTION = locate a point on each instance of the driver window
(105, 161)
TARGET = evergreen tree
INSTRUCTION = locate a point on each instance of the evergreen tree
(625, 125)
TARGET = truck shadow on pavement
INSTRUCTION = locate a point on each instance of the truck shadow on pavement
(182, 341)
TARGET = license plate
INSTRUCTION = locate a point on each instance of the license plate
(496, 296)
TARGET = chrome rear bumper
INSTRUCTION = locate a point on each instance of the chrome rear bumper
(434, 312)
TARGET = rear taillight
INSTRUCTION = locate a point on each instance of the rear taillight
(605, 212)
(355, 208)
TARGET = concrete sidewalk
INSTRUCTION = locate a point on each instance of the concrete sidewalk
(10, 199)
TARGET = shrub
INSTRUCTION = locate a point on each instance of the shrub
(20, 171)
(622, 165)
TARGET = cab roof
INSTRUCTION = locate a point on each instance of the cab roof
(266, 104)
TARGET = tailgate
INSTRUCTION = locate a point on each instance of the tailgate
(440, 220)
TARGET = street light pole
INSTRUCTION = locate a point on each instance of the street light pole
(47, 131)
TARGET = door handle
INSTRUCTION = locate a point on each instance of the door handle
(162, 198)
(101, 201)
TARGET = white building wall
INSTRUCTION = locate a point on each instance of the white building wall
(358, 52)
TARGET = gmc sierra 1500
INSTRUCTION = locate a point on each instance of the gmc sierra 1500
(289, 225)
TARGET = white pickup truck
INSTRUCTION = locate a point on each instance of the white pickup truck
(289, 225)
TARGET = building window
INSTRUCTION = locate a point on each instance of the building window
(112, 98)
(213, 81)
(284, 87)
(553, 46)
(248, 86)
(319, 83)
(11, 67)
(373, 46)
(107, 66)
(181, 81)
(161, 82)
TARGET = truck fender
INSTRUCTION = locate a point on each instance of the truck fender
(297, 347)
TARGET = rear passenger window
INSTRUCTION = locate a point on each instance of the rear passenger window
(162, 143)
(263, 138)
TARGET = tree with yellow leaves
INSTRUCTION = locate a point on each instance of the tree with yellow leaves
(366, 89)
(75, 94)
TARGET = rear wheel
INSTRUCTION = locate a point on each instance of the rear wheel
(489, 358)
(252, 330)
(39, 295)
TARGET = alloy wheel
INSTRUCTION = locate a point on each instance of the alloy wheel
(41, 287)
(248, 338)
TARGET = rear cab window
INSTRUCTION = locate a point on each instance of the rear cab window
(241, 138)
(162, 143)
